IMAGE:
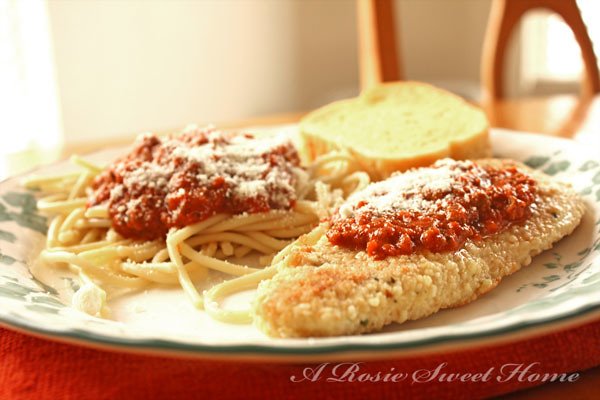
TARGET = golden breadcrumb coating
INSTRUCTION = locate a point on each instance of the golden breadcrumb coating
(326, 290)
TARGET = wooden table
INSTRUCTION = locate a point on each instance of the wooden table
(564, 116)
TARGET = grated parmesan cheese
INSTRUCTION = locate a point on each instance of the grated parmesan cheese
(421, 189)
(174, 181)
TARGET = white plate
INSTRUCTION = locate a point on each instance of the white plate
(560, 288)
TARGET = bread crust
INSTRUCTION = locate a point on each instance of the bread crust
(325, 290)
(476, 145)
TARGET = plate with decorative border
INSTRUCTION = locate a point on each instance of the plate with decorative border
(559, 289)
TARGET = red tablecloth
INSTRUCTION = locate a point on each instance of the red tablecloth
(32, 368)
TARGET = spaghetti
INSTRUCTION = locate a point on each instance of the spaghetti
(175, 208)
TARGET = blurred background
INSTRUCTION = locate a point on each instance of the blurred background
(77, 71)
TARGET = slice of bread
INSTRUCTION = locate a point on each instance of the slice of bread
(397, 126)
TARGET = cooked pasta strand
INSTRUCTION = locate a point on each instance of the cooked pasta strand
(83, 239)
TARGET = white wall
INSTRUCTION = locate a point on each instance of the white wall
(441, 41)
(127, 66)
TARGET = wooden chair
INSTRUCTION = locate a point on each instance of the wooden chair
(378, 59)
(504, 16)
(377, 51)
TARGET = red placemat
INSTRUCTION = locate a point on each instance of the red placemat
(32, 368)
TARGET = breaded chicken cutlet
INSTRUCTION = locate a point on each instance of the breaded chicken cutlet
(407, 247)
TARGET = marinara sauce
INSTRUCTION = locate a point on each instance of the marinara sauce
(180, 180)
(436, 209)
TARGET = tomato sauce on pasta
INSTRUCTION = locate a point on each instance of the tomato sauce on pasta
(176, 181)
